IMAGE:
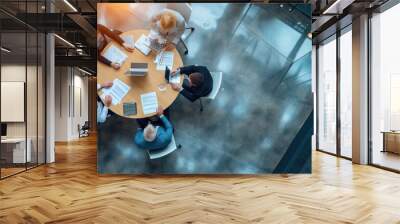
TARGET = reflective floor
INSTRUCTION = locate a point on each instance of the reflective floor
(265, 56)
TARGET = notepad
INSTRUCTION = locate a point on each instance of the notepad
(118, 91)
(149, 102)
(129, 40)
(129, 108)
(114, 54)
(143, 45)
(164, 59)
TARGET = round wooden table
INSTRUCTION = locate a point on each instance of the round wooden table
(139, 85)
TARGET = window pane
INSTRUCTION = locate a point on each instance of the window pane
(346, 94)
(327, 97)
(386, 89)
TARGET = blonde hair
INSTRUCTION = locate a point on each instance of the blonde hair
(149, 133)
(167, 20)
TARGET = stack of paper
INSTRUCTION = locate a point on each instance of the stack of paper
(164, 59)
(143, 45)
(129, 40)
(114, 54)
(118, 91)
(149, 102)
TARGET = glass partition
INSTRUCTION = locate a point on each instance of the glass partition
(22, 91)
(14, 144)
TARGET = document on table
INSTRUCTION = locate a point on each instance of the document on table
(164, 59)
(114, 54)
(143, 44)
(129, 40)
(118, 91)
(175, 79)
(149, 102)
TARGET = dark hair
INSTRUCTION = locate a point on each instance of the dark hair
(197, 79)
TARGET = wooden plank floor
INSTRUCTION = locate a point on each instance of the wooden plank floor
(70, 191)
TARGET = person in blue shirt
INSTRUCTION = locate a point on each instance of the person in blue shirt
(102, 108)
(153, 137)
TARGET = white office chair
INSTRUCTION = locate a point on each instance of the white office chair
(217, 81)
(185, 9)
(155, 154)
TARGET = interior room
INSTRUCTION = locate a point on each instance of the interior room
(22, 100)
(304, 126)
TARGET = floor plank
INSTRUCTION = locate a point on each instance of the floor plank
(71, 191)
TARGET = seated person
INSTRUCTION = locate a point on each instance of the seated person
(197, 83)
(102, 109)
(102, 34)
(169, 25)
(155, 137)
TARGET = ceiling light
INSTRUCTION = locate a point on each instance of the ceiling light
(84, 71)
(65, 41)
(5, 50)
(70, 5)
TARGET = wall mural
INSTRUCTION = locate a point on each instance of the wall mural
(204, 88)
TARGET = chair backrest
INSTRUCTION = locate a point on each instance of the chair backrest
(217, 81)
(185, 9)
(155, 154)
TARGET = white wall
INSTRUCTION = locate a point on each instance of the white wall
(70, 83)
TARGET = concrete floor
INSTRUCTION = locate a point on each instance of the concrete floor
(265, 56)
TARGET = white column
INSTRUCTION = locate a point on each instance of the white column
(50, 94)
(360, 90)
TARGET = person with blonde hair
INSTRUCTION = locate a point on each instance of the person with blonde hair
(154, 137)
(167, 28)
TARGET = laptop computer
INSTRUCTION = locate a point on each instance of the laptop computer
(138, 69)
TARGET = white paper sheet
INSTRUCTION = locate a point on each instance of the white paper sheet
(149, 102)
(114, 54)
(118, 91)
(129, 40)
(143, 45)
(164, 59)
(175, 79)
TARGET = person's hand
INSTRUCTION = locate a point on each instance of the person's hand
(169, 47)
(107, 85)
(115, 65)
(127, 47)
(160, 111)
(175, 86)
(176, 72)
(108, 100)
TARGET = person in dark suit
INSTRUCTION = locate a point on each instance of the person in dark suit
(197, 83)
(103, 36)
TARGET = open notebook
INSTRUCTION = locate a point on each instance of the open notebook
(114, 54)
(118, 91)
